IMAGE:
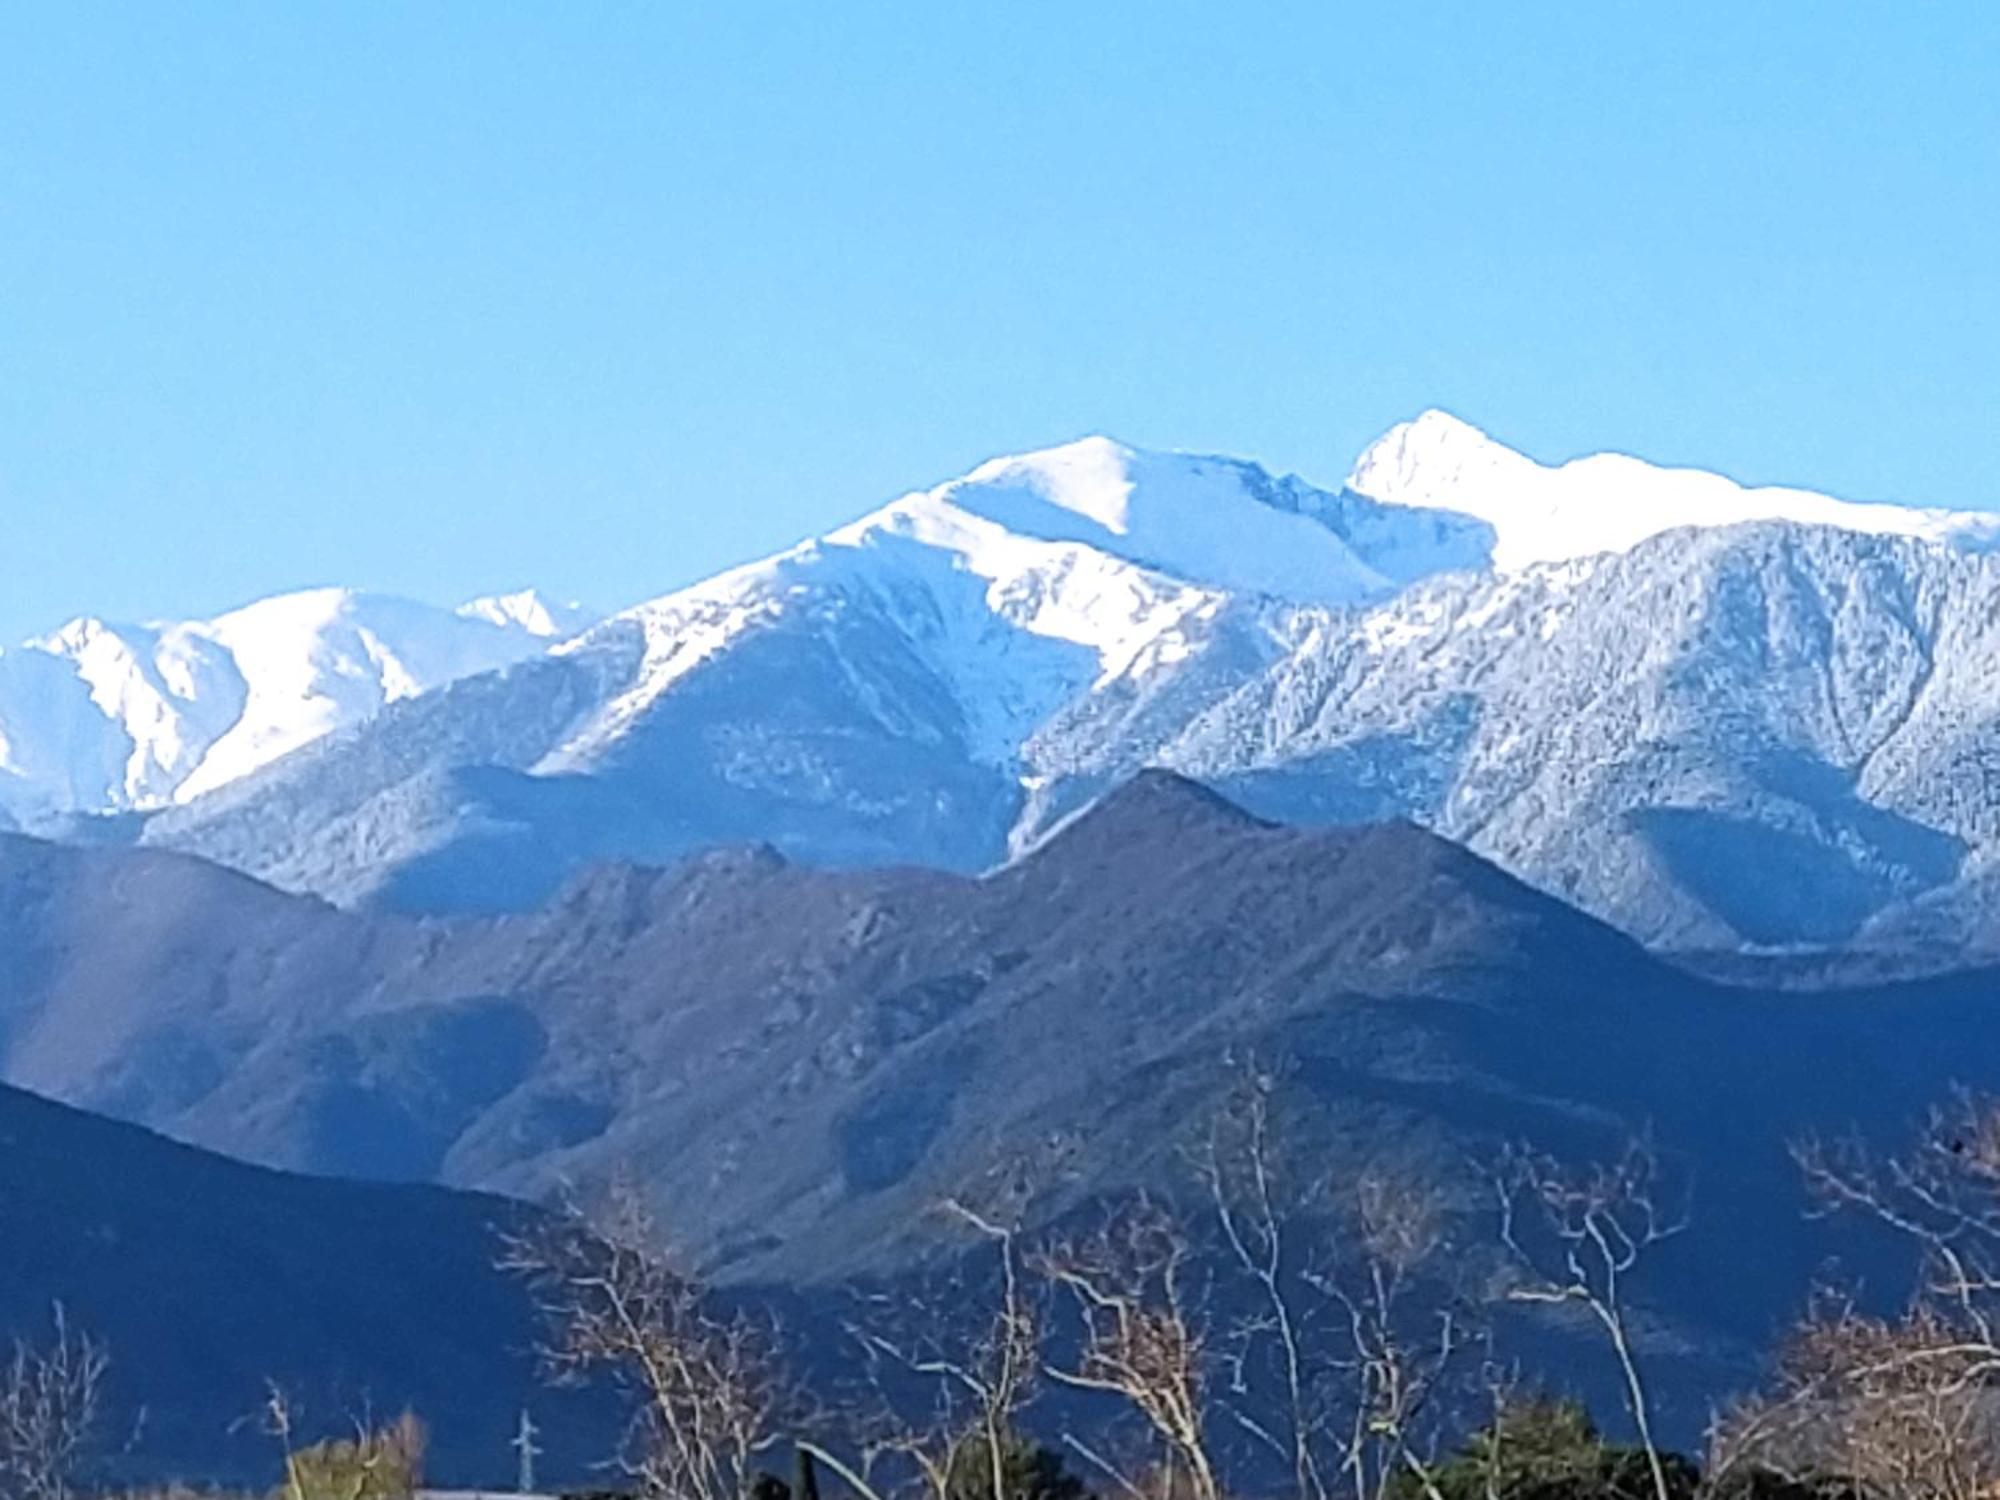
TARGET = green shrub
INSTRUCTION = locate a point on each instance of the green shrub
(1549, 1450)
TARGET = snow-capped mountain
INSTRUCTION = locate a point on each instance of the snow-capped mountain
(531, 611)
(101, 718)
(862, 697)
(1769, 733)
(1644, 688)
(1019, 586)
(1607, 502)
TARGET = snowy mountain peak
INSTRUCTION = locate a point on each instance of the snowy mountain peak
(1607, 502)
(1209, 521)
(101, 717)
(72, 636)
(1435, 460)
(532, 611)
(1012, 589)
(1092, 477)
(1426, 453)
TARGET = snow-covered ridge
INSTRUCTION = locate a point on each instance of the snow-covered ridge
(100, 717)
(1023, 583)
(1607, 502)
(1642, 688)
(982, 614)
(1215, 521)
(532, 611)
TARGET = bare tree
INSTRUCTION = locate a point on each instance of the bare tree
(1576, 1237)
(1943, 1196)
(50, 1396)
(1360, 1379)
(279, 1421)
(1241, 1171)
(1396, 1364)
(1500, 1393)
(983, 1379)
(1896, 1408)
(1910, 1405)
(707, 1388)
(1142, 1338)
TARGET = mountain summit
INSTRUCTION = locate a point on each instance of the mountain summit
(1607, 502)
(1222, 523)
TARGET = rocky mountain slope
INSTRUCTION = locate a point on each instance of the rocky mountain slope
(799, 1062)
(1765, 734)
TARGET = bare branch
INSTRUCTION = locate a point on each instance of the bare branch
(1575, 1237)
(50, 1395)
(706, 1383)
(1141, 1340)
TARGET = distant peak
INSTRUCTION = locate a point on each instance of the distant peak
(1155, 805)
(1092, 450)
(1436, 425)
(71, 635)
(1157, 787)
(297, 609)
(1091, 477)
(1602, 503)
(532, 611)
(1430, 460)
(1203, 520)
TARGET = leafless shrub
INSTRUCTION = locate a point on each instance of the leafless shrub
(375, 1463)
(1895, 1408)
(1143, 1338)
(1910, 1405)
(50, 1399)
(707, 1388)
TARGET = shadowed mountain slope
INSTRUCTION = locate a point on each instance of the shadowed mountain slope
(207, 1278)
(800, 1063)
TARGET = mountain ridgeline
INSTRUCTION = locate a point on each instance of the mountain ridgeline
(1717, 717)
(985, 846)
(800, 1063)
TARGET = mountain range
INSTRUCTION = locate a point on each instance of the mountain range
(979, 846)
(799, 1063)
(99, 719)
(1717, 717)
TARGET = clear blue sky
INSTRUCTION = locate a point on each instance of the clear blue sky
(444, 298)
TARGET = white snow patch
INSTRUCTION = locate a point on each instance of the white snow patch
(532, 611)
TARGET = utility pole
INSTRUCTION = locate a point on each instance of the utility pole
(524, 1444)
